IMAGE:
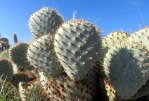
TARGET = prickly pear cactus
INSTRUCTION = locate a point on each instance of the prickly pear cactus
(64, 89)
(141, 37)
(44, 21)
(126, 66)
(77, 43)
(18, 54)
(41, 54)
(62, 55)
(6, 70)
(113, 38)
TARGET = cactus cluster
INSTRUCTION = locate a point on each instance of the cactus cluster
(61, 62)
(64, 58)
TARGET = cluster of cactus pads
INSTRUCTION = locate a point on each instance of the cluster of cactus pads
(71, 61)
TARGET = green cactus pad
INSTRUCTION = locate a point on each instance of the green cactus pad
(126, 66)
(6, 70)
(113, 38)
(65, 89)
(44, 21)
(18, 54)
(141, 37)
(41, 54)
(77, 43)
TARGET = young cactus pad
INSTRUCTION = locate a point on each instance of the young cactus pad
(44, 21)
(126, 66)
(41, 54)
(77, 43)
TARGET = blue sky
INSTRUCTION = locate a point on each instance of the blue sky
(108, 15)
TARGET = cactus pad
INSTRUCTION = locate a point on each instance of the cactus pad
(77, 43)
(44, 21)
(41, 54)
(18, 54)
(126, 66)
